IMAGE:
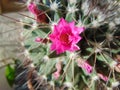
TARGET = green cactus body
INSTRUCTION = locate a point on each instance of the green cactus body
(99, 46)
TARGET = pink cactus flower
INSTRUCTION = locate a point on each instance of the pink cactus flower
(84, 65)
(105, 78)
(39, 15)
(65, 36)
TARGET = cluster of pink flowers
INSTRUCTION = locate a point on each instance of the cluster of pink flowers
(39, 14)
(65, 36)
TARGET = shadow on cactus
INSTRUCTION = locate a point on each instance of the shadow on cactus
(72, 45)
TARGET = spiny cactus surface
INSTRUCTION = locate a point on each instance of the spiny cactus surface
(73, 44)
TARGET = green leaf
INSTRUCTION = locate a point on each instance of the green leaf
(10, 75)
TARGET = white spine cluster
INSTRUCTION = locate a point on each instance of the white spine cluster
(35, 25)
(28, 2)
(52, 25)
(68, 84)
(72, 9)
(115, 84)
(85, 7)
(26, 53)
(44, 77)
(52, 83)
(94, 78)
(46, 58)
(113, 64)
(54, 6)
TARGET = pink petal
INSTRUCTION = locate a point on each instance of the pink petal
(56, 75)
(62, 21)
(60, 50)
(105, 78)
(73, 28)
(80, 29)
(56, 30)
(76, 30)
(81, 63)
(75, 39)
(52, 37)
(38, 39)
(88, 68)
(74, 48)
(32, 7)
(53, 47)
(56, 46)
(72, 24)
(59, 66)
(62, 24)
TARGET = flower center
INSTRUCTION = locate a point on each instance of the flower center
(64, 38)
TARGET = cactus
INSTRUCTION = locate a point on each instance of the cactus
(72, 44)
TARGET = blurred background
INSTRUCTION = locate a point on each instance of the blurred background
(10, 14)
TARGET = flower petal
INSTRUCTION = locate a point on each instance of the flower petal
(56, 75)
(74, 48)
(105, 78)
